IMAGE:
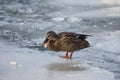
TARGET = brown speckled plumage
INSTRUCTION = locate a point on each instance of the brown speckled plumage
(66, 41)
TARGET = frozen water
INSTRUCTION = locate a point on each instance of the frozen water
(22, 63)
(86, 2)
(58, 19)
(25, 23)
(106, 42)
(74, 19)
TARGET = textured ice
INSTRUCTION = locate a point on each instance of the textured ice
(119, 57)
(58, 19)
(26, 23)
(23, 63)
(74, 19)
(110, 42)
(78, 2)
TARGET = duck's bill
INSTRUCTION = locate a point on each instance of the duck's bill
(46, 42)
(45, 45)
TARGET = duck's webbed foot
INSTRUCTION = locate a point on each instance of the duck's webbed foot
(66, 56)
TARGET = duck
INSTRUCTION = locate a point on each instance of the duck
(65, 41)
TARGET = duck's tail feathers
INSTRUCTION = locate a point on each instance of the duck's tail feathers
(82, 36)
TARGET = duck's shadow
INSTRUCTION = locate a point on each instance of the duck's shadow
(74, 66)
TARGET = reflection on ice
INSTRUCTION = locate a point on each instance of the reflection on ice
(67, 67)
(76, 71)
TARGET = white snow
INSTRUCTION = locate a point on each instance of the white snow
(26, 64)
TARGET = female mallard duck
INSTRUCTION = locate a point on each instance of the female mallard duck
(65, 41)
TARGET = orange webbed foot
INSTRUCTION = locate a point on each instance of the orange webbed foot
(66, 57)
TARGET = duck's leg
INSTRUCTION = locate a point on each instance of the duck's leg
(71, 54)
(66, 56)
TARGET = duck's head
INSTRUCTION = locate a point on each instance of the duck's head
(51, 36)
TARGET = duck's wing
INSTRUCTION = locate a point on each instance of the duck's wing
(66, 34)
(82, 36)
(69, 37)
(72, 35)
(72, 41)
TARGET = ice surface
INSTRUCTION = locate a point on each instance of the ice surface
(25, 23)
(86, 8)
(58, 19)
(110, 42)
(79, 2)
(23, 63)
(74, 19)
